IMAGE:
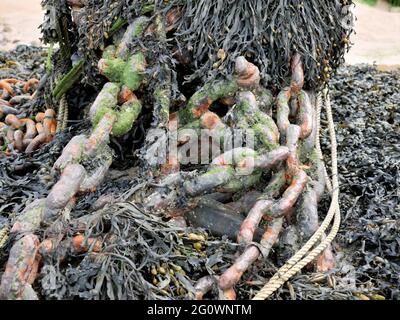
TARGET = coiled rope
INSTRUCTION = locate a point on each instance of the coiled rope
(304, 256)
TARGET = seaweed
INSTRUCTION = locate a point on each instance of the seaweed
(131, 249)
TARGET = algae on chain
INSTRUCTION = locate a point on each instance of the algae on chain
(119, 65)
(134, 31)
(265, 99)
(263, 126)
(115, 69)
(312, 159)
(237, 180)
(134, 73)
(31, 218)
(276, 184)
(224, 89)
(109, 52)
(216, 170)
(129, 73)
(209, 93)
(259, 130)
(49, 63)
(126, 117)
(105, 102)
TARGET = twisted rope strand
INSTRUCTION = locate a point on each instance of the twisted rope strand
(4, 234)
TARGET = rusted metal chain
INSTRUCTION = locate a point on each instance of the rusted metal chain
(292, 134)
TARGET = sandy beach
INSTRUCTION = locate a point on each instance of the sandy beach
(19, 22)
(377, 38)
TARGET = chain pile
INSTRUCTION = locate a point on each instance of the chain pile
(147, 75)
(298, 178)
(19, 133)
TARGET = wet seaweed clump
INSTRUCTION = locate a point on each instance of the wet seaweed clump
(368, 132)
(133, 255)
(210, 35)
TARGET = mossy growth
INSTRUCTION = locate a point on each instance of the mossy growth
(49, 62)
(275, 186)
(118, 65)
(244, 182)
(216, 170)
(203, 98)
(313, 161)
(109, 52)
(264, 128)
(265, 99)
(129, 73)
(105, 102)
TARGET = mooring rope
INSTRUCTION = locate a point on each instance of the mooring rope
(62, 118)
(304, 256)
(318, 142)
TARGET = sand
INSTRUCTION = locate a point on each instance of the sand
(377, 39)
